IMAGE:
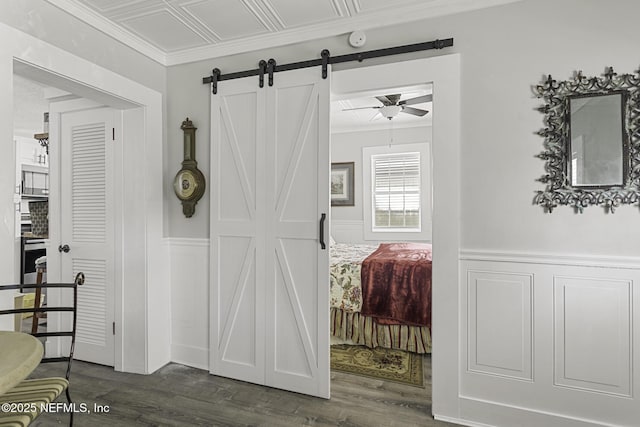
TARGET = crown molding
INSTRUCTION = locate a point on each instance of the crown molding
(368, 20)
(106, 26)
(364, 21)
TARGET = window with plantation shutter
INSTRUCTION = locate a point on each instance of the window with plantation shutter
(397, 189)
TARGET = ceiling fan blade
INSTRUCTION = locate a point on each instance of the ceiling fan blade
(389, 99)
(414, 111)
(360, 108)
(417, 100)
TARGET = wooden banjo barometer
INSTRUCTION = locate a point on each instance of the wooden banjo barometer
(189, 183)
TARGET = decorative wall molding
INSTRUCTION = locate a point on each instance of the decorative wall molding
(542, 258)
(500, 312)
(609, 368)
(584, 324)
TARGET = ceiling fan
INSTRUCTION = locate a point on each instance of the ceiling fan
(391, 105)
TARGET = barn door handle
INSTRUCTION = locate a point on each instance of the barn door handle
(323, 217)
(64, 248)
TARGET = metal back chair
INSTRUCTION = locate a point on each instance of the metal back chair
(42, 391)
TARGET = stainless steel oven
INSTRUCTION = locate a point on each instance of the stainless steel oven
(32, 249)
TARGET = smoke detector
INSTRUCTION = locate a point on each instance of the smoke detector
(357, 38)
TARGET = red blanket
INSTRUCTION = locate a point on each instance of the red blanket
(396, 284)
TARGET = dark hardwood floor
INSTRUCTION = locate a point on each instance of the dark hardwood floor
(178, 395)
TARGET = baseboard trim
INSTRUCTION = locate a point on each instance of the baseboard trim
(133, 369)
(620, 262)
(503, 414)
(195, 357)
(459, 421)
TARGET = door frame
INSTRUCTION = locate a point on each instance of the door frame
(141, 314)
(444, 72)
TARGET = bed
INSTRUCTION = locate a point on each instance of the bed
(390, 315)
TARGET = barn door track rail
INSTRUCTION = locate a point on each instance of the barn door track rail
(270, 67)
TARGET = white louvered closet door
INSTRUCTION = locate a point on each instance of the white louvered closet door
(87, 226)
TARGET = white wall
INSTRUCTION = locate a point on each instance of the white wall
(347, 221)
(29, 106)
(505, 51)
(525, 256)
(347, 147)
(190, 302)
(505, 55)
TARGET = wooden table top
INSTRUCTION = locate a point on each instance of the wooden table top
(20, 353)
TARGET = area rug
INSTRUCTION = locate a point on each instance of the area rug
(380, 363)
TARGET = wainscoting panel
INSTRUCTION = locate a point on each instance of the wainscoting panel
(499, 312)
(189, 301)
(549, 340)
(593, 317)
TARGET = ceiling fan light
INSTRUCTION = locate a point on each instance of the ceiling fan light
(390, 111)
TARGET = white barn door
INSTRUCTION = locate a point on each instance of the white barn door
(269, 274)
(297, 267)
(87, 226)
(237, 231)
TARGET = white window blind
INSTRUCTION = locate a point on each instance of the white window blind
(396, 191)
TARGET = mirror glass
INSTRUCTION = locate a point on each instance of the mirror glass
(596, 140)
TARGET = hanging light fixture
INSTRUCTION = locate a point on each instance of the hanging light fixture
(390, 111)
(43, 138)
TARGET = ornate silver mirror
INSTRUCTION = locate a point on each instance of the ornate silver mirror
(597, 140)
(592, 141)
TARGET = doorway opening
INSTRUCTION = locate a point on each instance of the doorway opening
(31, 193)
(141, 133)
(443, 74)
(77, 183)
(381, 204)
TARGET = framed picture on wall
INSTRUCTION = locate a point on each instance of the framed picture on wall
(342, 184)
